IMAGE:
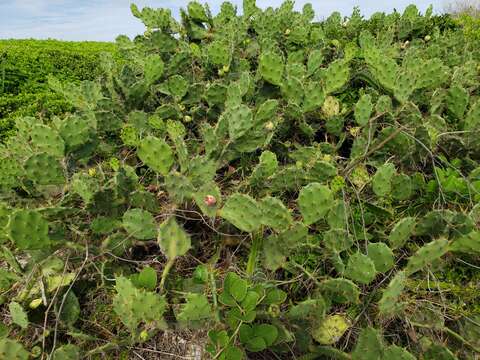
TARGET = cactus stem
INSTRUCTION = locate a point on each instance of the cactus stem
(257, 241)
(165, 272)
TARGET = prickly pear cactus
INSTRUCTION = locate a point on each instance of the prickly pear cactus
(28, 230)
(10, 349)
(314, 201)
(156, 154)
(256, 174)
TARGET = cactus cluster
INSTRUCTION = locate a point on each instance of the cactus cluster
(290, 186)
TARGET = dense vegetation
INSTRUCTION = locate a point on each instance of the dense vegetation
(252, 186)
(24, 69)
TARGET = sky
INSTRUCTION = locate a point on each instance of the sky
(104, 20)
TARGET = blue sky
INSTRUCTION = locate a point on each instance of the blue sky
(103, 20)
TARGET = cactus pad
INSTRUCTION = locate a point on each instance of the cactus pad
(44, 169)
(360, 268)
(363, 110)
(340, 291)
(337, 240)
(271, 67)
(401, 232)
(28, 230)
(275, 214)
(426, 255)
(173, 240)
(336, 76)
(382, 180)
(139, 224)
(208, 198)
(156, 154)
(389, 303)
(240, 120)
(12, 350)
(45, 139)
(331, 329)
(243, 212)
(315, 200)
(381, 255)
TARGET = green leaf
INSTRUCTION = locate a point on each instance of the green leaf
(234, 286)
(173, 240)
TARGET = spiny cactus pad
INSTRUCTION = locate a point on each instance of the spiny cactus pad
(331, 329)
(401, 232)
(44, 169)
(12, 350)
(173, 240)
(275, 214)
(389, 303)
(360, 268)
(243, 212)
(363, 110)
(156, 154)
(47, 140)
(426, 255)
(271, 67)
(314, 202)
(140, 224)
(381, 255)
(28, 230)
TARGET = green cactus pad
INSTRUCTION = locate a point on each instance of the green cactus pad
(381, 255)
(28, 230)
(154, 68)
(271, 67)
(426, 255)
(44, 169)
(382, 180)
(457, 101)
(67, 352)
(265, 168)
(314, 97)
(243, 212)
(394, 352)
(156, 154)
(179, 187)
(12, 350)
(275, 214)
(360, 268)
(76, 131)
(369, 345)
(337, 240)
(173, 240)
(331, 329)
(218, 53)
(401, 232)
(18, 314)
(340, 291)
(45, 139)
(240, 120)
(363, 110)
(314, 201)
(140, 224)
(336, 76)
(134, 306)
(315, 60)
